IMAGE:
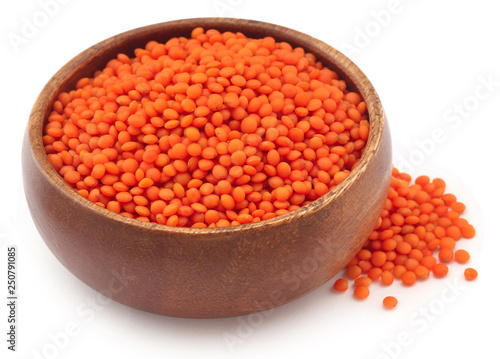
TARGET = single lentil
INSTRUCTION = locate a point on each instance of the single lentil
(341, 285)
(390, 302)
(470, 274)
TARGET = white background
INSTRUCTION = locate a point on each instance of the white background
(427, 60)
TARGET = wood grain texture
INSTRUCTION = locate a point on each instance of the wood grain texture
(206, 273)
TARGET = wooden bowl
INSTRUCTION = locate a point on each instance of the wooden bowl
(206, 273)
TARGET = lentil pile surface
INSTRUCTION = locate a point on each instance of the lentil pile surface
(208, 131)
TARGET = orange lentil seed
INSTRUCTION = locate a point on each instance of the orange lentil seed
(390, 302)
(462, 256)
(470, 274)
(340, 285)
(361, 292)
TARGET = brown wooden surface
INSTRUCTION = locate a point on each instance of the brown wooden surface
(206, 273)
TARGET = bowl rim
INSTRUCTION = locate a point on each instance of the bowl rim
(342, 62)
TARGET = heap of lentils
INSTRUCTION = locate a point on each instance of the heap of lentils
(208, 131)
(415, 238)
(220, 129)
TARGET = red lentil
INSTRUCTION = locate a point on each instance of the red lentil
(361, 292)
(390, 302)
(364, 281)
(341, 285)
(462, 256)
(470, 274)
(265, 125)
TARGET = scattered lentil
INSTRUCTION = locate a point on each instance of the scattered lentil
(390, 302)
(341, 285)
(470, 274)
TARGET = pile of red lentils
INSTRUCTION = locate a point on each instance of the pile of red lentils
(208, 131)
(415, 237)
(220, 129)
